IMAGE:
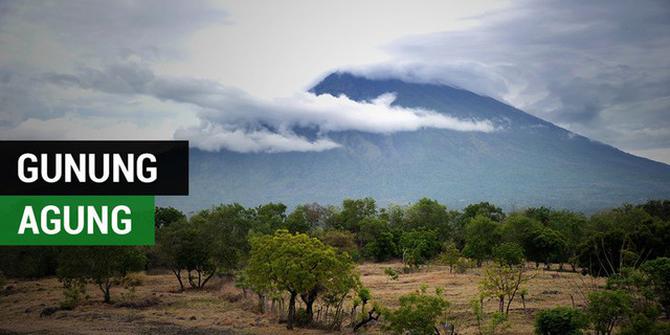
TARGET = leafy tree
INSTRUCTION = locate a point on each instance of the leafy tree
(300, 265)
(541, 214)
(342, 240)
(164, 216)
(657, 280)
(560, 321)
(428, 214)
(485, 209)
(503, 282)
(29, 261)
(449, 256)
(377, 239)
(269, 217)
(607, 308)
(100, 265)
(419, 313)
(418, 247)
(547, 246)
(481, 236)
(298, 222)
(354, 211)
(508, 253)
(572, 227)
(203, 246)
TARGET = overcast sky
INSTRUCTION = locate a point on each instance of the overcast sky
(213, 71)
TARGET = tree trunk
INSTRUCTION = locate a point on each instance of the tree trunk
(105, 288)
(501, 303)
(261, 303)
(177, 273)
(291, 310)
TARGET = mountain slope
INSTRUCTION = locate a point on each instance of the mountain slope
(528, 162)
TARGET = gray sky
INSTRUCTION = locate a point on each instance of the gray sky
(213, 71)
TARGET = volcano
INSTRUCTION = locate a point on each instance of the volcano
(526, 162)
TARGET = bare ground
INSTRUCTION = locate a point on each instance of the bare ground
(156, 307)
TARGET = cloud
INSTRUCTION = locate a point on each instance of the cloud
(233, 120)
(597, 68)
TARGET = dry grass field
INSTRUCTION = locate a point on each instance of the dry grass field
(157, 307)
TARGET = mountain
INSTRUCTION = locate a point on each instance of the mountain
(527, 162)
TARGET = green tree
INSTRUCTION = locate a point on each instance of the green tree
(418, 247)
(657, 281)
(101, 265)
(428, 214)
(449, 256)
(204, 246)
(269, 217)
(300, 265)
(419, 314)
(354, 211)
(503, 282)
(508, 253)
(607, 308)
(481, 236)
(560, 321)
(164, 216)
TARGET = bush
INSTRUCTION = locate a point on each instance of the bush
(463, 264)
(418, 314)
(488, 324)
(73, 291)
(607, 308)
(658, 280)
(391, 273)
(560, 321)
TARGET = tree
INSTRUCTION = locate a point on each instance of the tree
(300, 265)
(509, 254)
(560, 321)
(418, 247)
(419, 313)
(606, 309)
(547, 246)
(203, 246)
(269, 217)
(164, 216)
(377, 239)
(657, 280)
(101, 265)
(342, 240)
(484, 209)
(428, 214)
(449, 256)
(354, 211)
(299, 221)
(503, 282)
(481, 236)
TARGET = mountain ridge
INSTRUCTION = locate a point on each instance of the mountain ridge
(527, 162)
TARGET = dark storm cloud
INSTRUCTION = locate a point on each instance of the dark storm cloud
(599, 68)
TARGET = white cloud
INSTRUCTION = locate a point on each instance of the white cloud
(271, 123)
(213, 137)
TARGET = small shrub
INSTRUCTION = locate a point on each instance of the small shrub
(560, 321)
(463, 264)
(73, 291)
(418, 314)
(391, 273)
(129, 296)
(488, 324)
(132, 280)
